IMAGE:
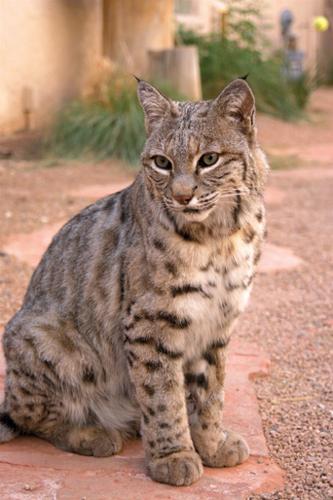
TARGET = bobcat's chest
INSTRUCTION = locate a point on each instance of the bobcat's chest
(216, 293)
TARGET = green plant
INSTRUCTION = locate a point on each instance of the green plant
(107, 124)
(241, 51)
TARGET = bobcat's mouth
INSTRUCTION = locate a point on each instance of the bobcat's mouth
(191, 210)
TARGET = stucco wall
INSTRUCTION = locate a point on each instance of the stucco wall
(48, 51)
(133, 27)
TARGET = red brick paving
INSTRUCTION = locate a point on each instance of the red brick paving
(276, 258)
(29, 248)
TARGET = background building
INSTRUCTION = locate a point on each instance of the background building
(53, 50)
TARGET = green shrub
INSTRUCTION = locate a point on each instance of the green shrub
(108, 124)
(101, 126)
(241, 51)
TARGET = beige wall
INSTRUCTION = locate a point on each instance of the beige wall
(48, 47)
(133, 27)
(326, 52)
(200, 16)
(52, 50)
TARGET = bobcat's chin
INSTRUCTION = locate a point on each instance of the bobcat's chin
(196, 215)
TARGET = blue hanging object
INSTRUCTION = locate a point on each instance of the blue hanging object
(286, 20)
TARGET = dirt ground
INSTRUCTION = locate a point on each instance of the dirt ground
(290, 314)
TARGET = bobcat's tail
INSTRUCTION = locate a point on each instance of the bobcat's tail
(8, 429)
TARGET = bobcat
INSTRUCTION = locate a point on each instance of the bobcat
(124, 326)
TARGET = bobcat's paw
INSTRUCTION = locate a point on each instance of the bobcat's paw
(103, 444)
(232, 451)
(90, 441)
(180, 469)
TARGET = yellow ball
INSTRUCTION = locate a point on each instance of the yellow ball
(321, 23)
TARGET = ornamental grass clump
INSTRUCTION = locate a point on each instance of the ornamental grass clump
(106, 124)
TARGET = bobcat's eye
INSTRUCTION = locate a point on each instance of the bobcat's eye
(162, 162)
(208, 159)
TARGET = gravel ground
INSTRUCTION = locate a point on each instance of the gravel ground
(291, 317)
(290, 314)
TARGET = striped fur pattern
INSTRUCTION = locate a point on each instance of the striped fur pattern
(124, 327)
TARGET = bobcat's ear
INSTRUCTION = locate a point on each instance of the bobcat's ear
(155, 105)
(236, 103)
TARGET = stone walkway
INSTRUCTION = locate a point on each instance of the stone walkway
(33, 469)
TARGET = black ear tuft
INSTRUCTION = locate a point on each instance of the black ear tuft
(137, 78)
(245, 77)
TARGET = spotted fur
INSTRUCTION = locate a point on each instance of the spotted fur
(126, 320)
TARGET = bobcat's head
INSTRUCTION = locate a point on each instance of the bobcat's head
(198, 155)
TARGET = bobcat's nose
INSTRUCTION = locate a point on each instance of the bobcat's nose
(183, 188)
(183, 199)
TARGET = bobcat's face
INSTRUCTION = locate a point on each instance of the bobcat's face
(197, 154)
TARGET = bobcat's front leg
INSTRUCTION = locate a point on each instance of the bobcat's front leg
(216, 446)
(155, 365)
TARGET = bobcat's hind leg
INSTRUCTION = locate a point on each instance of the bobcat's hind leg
(88, 440)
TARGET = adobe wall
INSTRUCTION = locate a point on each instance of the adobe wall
(48, 53)
(132, 28)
